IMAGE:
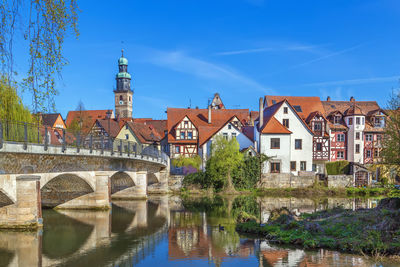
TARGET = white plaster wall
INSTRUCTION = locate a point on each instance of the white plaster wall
(352, 142)
(282, 154)
(299, 131)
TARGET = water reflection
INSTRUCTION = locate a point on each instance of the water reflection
(171, 231)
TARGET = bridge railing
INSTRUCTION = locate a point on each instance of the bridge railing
(29, 133)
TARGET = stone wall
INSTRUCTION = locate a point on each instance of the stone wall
(285, 180)
(175, 182)
(340, 181)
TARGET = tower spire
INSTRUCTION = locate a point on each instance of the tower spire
(122, 52)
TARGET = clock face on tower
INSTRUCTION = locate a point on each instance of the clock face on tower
(121, 102)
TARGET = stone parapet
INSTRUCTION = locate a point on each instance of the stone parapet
(285, 180)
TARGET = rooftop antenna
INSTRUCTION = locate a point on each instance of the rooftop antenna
(190, 102)
(122, 49)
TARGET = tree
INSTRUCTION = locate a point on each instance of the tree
(81, 121)
(11, 107)
(391, 141)
(225, 158)
(43, 24)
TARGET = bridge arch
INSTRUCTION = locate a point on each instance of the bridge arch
(152, 178)
(120, 181)
(63, 188)
(5, 199)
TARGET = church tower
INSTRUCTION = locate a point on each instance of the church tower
(123, 93)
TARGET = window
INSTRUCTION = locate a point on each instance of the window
(298, 108)
(285, 110)
(368, 137)
(376, 153)
(357, 148)
(319, 147)
(378, 137)
(273, 102)
(186, 124)
(350, 121)
(336, 119)
(126, 126)
(357, 120)
(229, 126)
(190, 135)
(314, 167)
(234, 135)
(340, 154)
(363, 121)
(275, 143)
(286, 123)
(298, 144)
(293, 165)
(369, 154)
(340, 137)
(127, 136)
(357, 136)
(303, 165)
(182, 135)
(275, 167)
(225, 135)
(120, 97)
(129, 98)
(177, 149)
(317, 126)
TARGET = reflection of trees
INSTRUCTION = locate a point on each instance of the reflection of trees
(6, 257)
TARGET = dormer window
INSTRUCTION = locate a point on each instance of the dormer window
(317, 126)
(379, 122)
(358, 121)
(336, 119)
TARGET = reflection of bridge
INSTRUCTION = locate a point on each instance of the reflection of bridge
(72, 179)
(133, 227)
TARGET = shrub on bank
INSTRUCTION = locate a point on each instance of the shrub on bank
(338, 167)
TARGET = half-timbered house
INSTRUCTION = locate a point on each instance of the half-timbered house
(188, 127)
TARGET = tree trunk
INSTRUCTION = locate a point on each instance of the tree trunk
(230, 189)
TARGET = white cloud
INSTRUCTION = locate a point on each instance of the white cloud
(179, 61)
(269, 48)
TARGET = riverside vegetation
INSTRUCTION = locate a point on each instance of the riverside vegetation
(366, 231)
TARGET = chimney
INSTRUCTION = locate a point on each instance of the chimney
(328, 98)
(209, 114)
(352, 99)
(261, 115)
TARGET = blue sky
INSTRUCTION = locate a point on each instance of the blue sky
(182, 52)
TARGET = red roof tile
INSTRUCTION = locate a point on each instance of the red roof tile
(88, 118)
(145, 132)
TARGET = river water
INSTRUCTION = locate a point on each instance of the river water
(170, 231)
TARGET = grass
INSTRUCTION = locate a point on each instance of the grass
(373, 232)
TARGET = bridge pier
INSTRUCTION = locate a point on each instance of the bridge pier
(98, 200)
(26, 212)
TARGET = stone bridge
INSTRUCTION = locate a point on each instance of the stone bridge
(32, 177)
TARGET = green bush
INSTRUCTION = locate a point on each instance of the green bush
(338, 167)
(195, 162)
(197, 178)
(247, 174)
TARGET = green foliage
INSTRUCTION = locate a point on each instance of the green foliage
(11, 107)
(44, 25)
(195, 162)
(225, 158)
(248, 173)
(391, 141)
(197, 178)
(338, 167)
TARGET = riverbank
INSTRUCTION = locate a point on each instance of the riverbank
(306, 192)
(367, 231)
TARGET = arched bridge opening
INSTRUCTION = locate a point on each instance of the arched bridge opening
(4, 199)
(152, 179)
(120, 181)
(62, 189)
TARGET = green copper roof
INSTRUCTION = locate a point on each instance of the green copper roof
(122, 61)
(123, 75)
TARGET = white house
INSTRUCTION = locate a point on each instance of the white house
(285, 137)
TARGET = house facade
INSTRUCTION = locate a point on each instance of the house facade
(190, 131)
(281, 134)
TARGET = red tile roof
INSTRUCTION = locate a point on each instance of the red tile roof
(273, 126)
(308, 104)
(365, 106)
(248, 131)
(88, 118)
(145, 132)
(112, 127)
(199, 117)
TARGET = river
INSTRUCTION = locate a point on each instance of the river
(170, 231)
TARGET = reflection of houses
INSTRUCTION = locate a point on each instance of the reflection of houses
(190, 237)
